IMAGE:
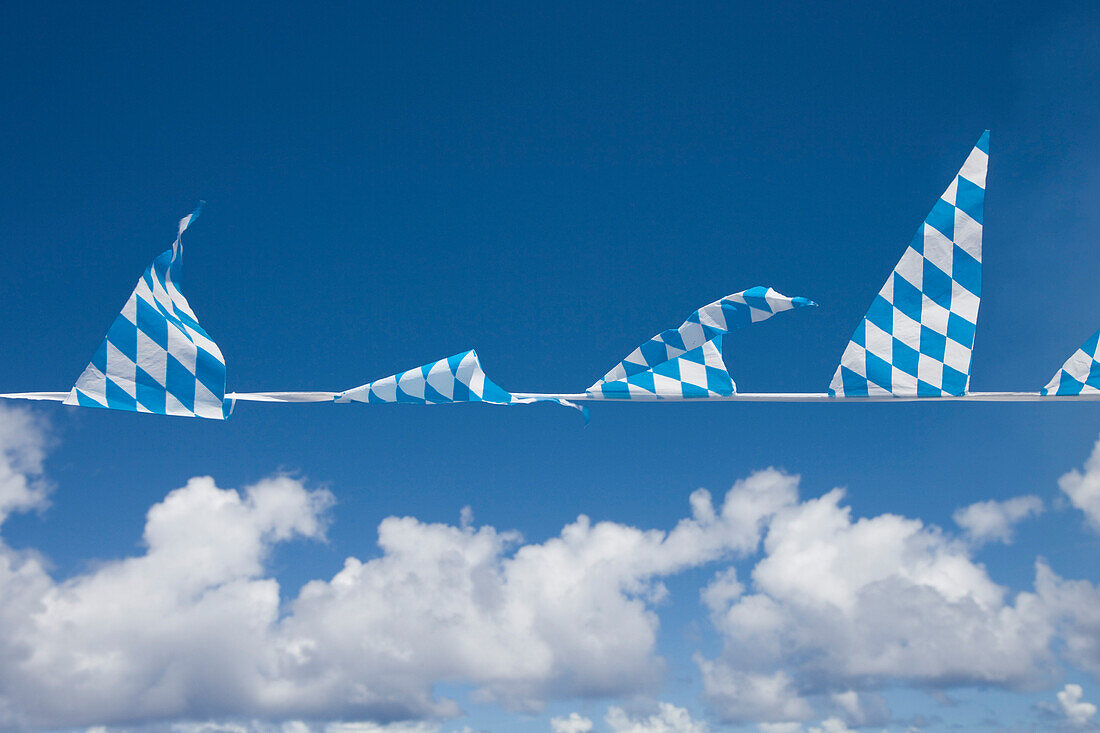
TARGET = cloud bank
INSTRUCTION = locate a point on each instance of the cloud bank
(834, 608)
(192, 628)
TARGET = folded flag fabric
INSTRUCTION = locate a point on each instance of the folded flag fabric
(686, 362)
(156, 357)
(457, 378)
(917, 337)
(1081, 372)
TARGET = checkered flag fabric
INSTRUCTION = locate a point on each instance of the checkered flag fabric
(686, 362)
(1081, 372)
(457, 378)
(156, 357)
(917, 337)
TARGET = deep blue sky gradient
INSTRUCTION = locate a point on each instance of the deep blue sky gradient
(391, 184)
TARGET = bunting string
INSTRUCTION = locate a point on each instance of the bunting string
(913, 345)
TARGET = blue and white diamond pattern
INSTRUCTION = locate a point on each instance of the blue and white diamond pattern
(917, 337)
(457, 378)
(156, 357)
(1081, 372)
(686, 362)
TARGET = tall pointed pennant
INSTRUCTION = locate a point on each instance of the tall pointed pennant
(917, 337)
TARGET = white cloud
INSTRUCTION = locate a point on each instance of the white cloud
(204, 727)
(182, 630)
(569, 616)
(192, 628)
(574, 723)
(723, 589)
(751, 697)
(848, 701)
(22, 450)
(1083, 488)
(369, 727)
(989, 521)
(1076, 710)
(861, 709)
(839, 603)
(1073, 607)
(830, 725)
(667, 719)
(789, 727)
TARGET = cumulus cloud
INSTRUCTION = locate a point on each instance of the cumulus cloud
(861, 709)
(22, 450)
(835, 607)
(667, 719)
(989, 521)
(1073, 607)
(573, 723)
(1083, 487)
(569, 616)
(193, 628)
(829, 725)
(183, 629)
(416, 726)
(1075, 709)
(751, 697)
(838, 603)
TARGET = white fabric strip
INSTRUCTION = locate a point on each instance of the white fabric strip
(282, 396)
(41, 396)
(825, 397)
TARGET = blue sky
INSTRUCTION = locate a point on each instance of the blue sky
(389, 185)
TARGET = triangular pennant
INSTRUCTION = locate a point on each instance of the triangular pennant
(156, 357)
(917, 337)
(457, 378)
(1081, 372)
(686, 362)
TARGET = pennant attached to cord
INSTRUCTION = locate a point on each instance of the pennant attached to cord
(156, 357)
(686, 362)
(917, 337)
(1081, 372)
(457, 378)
